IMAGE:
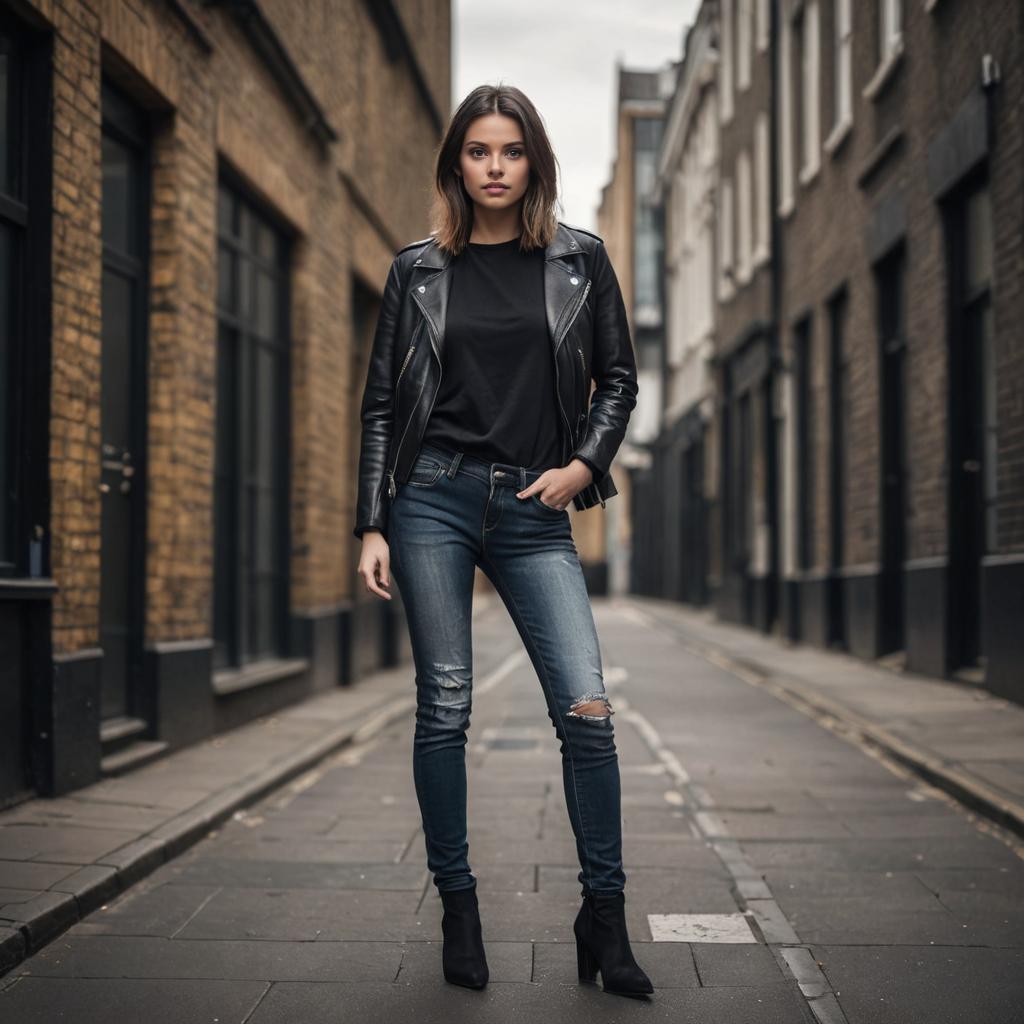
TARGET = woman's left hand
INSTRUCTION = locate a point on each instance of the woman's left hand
(557, 487)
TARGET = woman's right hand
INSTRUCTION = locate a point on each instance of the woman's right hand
(375, 563)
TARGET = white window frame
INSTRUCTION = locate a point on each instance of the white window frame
(810, 98)
(725, 69)
(764, 28)
(762, 191)
(785, 150)
(842, 59)
(744, 43)
(744, 218)
(890, 47)
(726, 260)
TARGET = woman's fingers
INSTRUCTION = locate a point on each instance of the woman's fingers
(370, 574)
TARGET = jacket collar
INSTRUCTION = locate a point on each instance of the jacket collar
(432, 257)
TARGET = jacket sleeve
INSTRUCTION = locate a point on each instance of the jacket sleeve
(377, 413)
(613, 369)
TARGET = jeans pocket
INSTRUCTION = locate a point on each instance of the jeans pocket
(426, 471)
(547, 508)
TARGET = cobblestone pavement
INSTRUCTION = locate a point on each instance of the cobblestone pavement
(777, 872)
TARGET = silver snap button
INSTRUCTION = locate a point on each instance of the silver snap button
(499, 472)
(575, 280)
(572, 245)
(423, 288)
(419, 261)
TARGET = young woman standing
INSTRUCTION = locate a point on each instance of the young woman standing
(478, 430)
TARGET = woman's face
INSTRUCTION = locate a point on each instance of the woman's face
(493, 154)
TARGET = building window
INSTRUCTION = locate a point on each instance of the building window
(13, 220)
(890, 27)
(725, 103)
(805, 434)
(25, 299)
(763, 25)
(744, 41)
(842, 65)
(889, 46)
(785, 147)
(251, 461)
(725, 246)
(647, 239)
(809, 44)
(744, 218)
(762, 190)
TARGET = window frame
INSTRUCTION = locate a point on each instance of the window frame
(234, 566)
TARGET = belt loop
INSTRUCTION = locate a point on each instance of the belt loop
(454, 467)
(522, 478)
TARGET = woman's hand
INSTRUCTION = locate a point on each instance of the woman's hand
(375, 563)
(557, 487)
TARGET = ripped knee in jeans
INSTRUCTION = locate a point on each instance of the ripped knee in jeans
(593, 707)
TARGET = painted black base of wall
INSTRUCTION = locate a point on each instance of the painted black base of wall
(789, 609)
(731, 601)
(860, 606)
(317, 637)
(925, 604)
(762, 602)
(814, 621)
(178, 678)
(1002, 611)
(71, 752)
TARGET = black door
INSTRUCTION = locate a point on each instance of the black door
(971, 416)
(893, 473)
(123, 402)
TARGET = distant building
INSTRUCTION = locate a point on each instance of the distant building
(631, 226)
(198, 209)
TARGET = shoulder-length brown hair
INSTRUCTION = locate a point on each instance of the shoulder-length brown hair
(452, 208)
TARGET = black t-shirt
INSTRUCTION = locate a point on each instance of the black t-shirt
(497, 397)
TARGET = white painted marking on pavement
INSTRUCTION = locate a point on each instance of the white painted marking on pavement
(700, 928)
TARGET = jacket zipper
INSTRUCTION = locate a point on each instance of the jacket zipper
(392, 486)
(565, 331)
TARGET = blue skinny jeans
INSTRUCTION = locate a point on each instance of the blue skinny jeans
(453, 513)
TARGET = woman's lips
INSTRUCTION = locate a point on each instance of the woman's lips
(495, 188)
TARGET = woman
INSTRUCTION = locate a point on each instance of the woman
(476, 436)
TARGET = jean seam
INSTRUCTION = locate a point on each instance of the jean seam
(561, 722)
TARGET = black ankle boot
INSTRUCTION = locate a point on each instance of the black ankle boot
(463, 956)
(602, 944)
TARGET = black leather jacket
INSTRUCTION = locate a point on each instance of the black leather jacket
(589, 337)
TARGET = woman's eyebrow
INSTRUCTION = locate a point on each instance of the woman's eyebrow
(474, 142)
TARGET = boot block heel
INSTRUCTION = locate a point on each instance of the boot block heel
(586, 964)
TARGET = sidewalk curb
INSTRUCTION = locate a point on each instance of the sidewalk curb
(968, 790)
(55, 911)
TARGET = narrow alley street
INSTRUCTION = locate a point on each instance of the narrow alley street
(777, 872)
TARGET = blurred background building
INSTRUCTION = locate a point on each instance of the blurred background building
(199, 203)
(842, 437)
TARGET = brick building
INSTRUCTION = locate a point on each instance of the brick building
(900, 317)
(198, 209)
(870, 357)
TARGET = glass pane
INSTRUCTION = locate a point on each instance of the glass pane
(225, 211)
(117, 195)
(266, 243)
(226, 291)
(979, 241)
(116, 364)
(266, 325)
(6, 396)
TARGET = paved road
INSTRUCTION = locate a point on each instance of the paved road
(776, 873)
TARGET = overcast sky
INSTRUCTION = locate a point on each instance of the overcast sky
(562, 54)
